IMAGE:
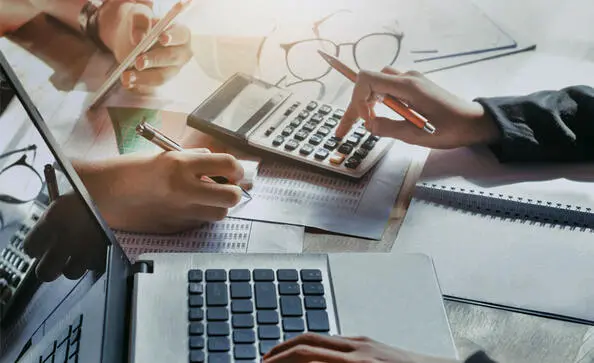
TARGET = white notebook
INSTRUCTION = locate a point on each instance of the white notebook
(520, 236)
(473, 179)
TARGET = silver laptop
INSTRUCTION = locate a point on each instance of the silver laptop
(180, 307)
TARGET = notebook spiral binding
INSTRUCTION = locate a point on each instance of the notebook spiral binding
(507, 206)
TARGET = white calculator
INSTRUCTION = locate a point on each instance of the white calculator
(246, 111)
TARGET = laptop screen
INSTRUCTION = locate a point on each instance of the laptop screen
(52, 250)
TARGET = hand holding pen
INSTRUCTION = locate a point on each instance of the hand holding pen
(158, 138)
(454, 122)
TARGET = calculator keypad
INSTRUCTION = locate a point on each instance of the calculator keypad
(310, 134)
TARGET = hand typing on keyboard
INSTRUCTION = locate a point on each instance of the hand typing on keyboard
(66, 241)
(319, 348)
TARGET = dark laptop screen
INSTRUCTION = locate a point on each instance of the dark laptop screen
(63, 234)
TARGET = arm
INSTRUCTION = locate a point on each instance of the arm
(544, 126)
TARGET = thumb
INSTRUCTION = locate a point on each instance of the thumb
(141, 23)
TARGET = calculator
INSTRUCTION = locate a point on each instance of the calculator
(246, 111)
(16, 267)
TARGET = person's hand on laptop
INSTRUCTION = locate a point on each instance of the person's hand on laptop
(324, 349)
(162, 193)
(66, 240)
(459, 122)
(123, 24)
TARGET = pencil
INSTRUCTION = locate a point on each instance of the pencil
(388, 100)
(51, 182)
(158, 138)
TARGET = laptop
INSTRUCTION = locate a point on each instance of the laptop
(181, 307)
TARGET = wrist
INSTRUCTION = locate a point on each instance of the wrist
(484, 127)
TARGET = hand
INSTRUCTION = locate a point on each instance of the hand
(123, 24)
(162, 193)
(322, 349)
(458, 122)
(66, 240)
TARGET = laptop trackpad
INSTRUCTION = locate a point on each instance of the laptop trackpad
(392, 298)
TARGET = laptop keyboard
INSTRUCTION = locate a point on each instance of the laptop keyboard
(64, 349)
(239, 315)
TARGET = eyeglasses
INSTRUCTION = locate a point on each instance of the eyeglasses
(372, 51)
(19, 181)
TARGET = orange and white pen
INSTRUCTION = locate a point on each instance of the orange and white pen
(392, 102)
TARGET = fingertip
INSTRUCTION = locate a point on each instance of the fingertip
(142, 62)
(165, 39)
(391, 70)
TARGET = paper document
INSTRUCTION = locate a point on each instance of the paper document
(284, 193)
(228, 236)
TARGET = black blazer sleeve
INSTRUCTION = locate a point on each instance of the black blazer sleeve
(544, 126)
(479, 357)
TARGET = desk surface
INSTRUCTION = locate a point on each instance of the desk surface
(510, 337)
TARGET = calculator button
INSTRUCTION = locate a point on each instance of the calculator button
(278, 140)
(338, 113)
(303, 114)
(296, 122)
(323, 131)
(373, 137)
(360, 132)
(361, 153)
(345, 149)
(317, 118)
(325, 109)
(301, 135)
(321, 154)
(331, 123)
(331, 144)
(353, 140)
(288, 131)
(312, 105)
(306, 149)
(337, 158)
(315, 140)
(291, 145)
(309, 127)
(353, 162)
(369, 144)
(336, 138)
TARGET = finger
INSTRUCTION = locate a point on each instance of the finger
(175, 35)
(307, 354)
(74, 268)
(402, 130)
(200, 150)
(39, 239)
(163, 57)
(141, 23)
(151, 77)
(148, 3)
(208, 193)
(349, 118)
(214, 165)
(52, 263)
(391, 70)
(313, 340)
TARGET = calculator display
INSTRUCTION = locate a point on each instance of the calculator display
(240, 104)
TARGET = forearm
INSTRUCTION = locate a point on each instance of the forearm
(66, 11)
(544, 126)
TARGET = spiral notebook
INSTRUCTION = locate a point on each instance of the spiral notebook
(515, 236)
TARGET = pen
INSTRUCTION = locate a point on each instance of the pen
(51, 182)
(158, 138)
(390, 101)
